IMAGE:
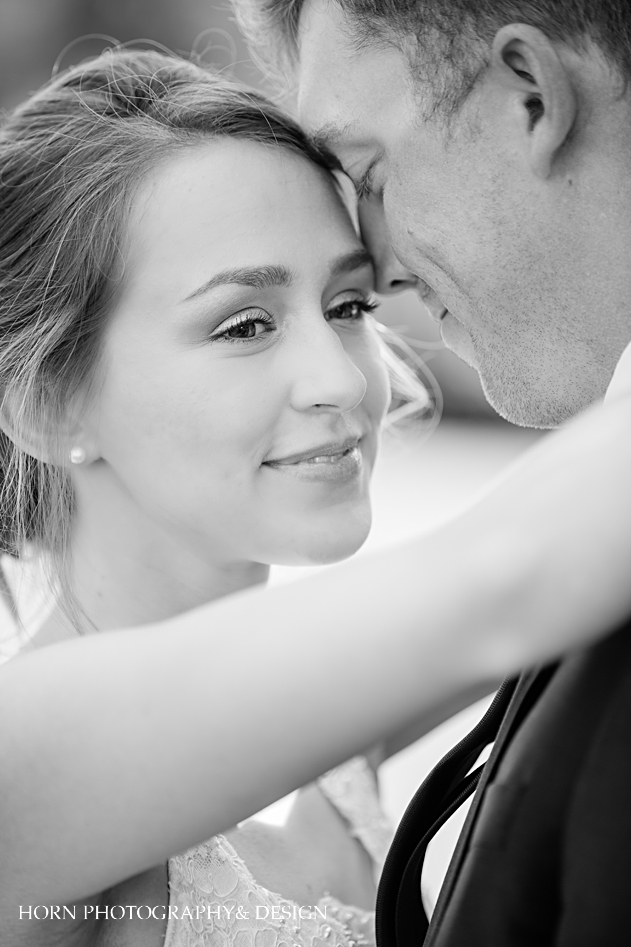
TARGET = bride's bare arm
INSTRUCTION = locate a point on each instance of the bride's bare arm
(119, 749)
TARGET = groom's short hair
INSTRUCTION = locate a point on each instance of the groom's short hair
(453, 36)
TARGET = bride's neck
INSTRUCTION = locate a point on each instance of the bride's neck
(129, 570)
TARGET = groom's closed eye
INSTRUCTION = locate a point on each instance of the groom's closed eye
(364, 187)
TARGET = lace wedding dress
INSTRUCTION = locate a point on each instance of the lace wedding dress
(215, 901)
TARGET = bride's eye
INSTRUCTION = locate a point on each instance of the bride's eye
(245, 327)
(351, 310)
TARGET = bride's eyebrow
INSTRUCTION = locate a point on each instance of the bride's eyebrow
(264, 277)
(258, 277)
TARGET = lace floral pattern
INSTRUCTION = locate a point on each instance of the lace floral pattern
(215, 901)
(227, 907)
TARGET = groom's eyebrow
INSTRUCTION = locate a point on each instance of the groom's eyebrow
(329, 135)
(354, 260)
(265, 277)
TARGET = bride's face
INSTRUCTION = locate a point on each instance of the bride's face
(242, 386)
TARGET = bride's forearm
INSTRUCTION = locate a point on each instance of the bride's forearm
(124, 747)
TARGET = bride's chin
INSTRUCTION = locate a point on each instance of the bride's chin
(331, 556)
(334, 545)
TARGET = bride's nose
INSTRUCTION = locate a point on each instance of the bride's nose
(324, 376)
(390, 275)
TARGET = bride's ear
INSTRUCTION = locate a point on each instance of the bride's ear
(537, 94)
(45, 438)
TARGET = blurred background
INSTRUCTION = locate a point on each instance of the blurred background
(419, 481)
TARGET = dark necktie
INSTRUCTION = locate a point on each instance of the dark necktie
(401, 918)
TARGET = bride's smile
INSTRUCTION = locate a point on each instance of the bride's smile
(331, 462)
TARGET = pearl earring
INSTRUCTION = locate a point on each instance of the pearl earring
(77, 455)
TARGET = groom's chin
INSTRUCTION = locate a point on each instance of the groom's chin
(509, 386)
(510, 395)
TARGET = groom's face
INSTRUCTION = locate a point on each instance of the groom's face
(501, 252)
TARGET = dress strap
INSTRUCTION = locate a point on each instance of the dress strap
(352, 790)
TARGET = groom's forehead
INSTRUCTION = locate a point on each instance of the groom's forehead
(342, 84)
(328, 43)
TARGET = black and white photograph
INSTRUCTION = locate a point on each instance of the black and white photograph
(315, 466)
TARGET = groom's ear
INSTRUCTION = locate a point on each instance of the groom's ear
(536, 94)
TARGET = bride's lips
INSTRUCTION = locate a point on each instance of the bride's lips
(335, 462)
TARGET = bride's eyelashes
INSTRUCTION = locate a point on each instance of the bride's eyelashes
(244, 327)
(351, 310)
(254, 324)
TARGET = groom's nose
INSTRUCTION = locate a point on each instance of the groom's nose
(390, 275)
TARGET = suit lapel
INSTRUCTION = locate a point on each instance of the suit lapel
(529, 687)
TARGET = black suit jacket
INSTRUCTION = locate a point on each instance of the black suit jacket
(545, 854)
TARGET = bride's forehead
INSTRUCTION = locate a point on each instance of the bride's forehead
(233, 189)
(227, 177)
(237, 161)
